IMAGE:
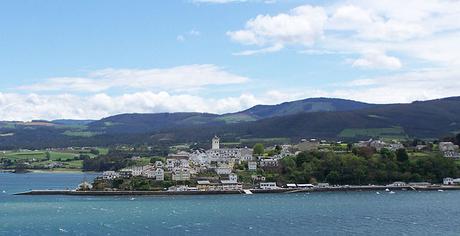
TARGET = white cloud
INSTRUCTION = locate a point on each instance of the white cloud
(273, 48)
(302, 25)
(34, 106)
(421, 30)
(377, 60)
(176, 78)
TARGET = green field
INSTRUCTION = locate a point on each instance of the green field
(384, 133)
(39, 159)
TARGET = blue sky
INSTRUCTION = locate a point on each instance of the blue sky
(90, 59)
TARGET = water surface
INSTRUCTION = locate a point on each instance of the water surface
(353, 213)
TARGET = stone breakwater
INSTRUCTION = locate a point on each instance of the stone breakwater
(255, 191)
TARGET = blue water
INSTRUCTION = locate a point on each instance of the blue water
(355, 213)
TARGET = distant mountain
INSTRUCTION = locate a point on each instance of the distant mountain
(146, 123)
(428, 119)
(309, 118)
(289, 108)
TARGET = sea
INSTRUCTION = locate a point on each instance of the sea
(338, 213)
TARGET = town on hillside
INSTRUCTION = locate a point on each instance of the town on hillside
(309, 164)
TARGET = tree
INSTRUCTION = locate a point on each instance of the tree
(94, 151)
(47, 156)
(401, 155)
(258, 149)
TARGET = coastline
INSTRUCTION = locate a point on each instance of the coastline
(252, 191)
(47, 171)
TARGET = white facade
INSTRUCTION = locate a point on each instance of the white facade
(233, 178)
(110, 175)
(252, 165)
(448, 181)
(215, 143)
(447, 147)
(149, 174)
(268, 185)
(159, 164)
(182, 174)
(159, 174)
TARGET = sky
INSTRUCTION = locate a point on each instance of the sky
(91, 59)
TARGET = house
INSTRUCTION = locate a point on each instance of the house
(54, 165)
(447, 147)
(268, 185)
(227, 186)
(223, 170)
(323, 185)
(125, 173)
(109, 175)
(451, 154)
(159, 174)
(268, 163)
(252, 165)
(177, 161)
(149, 174)
(205, 185)
(257, 178)
(182, 174)
(159, 164)
(448, 181)
(233, 178)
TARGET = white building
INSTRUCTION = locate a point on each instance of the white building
(447, 147)
(252, 165)
(215, 143)
(177, 161)
(149, 174)
(268, 162)
(223, 170)
(268, 185)
(109, 175)
(448, 181)
(219, 154)
(182, 174)
(159, 164)
(159, 174)
(233, 178)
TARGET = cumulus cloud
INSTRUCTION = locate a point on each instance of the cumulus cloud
(15, 106)
(302, 25)
(377, 60)
(422, 30)
(176, 78)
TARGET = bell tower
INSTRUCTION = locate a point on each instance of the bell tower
(215, 142)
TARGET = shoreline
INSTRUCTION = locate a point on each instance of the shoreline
(59, 171)
(252, 191)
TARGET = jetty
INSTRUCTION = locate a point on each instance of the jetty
(246, 191)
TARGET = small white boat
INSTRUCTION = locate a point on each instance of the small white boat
(392, 192)
(377, 192)
(132, 199)
(387, 190)
(440, 190)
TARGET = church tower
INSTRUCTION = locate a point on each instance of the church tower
(215, 142)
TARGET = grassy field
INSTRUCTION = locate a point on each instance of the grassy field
(39, 159)
(383, 133)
